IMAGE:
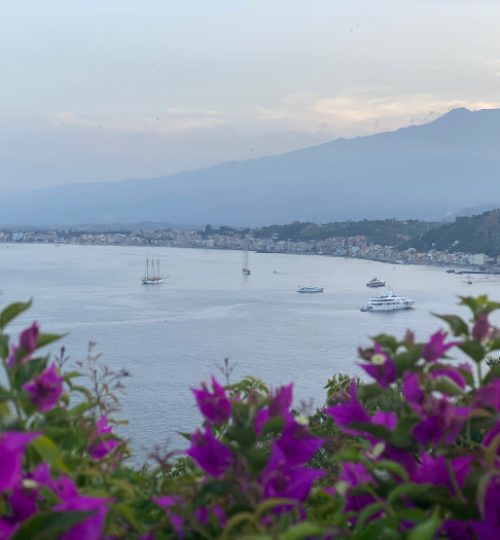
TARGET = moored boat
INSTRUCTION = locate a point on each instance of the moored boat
(389, 301)
(310, 290)
(375, 282)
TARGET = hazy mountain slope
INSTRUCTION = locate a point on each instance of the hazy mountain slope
(421, 171)
(476, 234)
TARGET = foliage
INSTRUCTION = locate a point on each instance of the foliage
(389, 232)
(412, 454)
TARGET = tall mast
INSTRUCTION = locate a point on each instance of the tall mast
(147, 266)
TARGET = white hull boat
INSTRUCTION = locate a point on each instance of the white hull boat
(389, 301)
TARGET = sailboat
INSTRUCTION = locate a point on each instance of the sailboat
(152, 275)
(245, 269)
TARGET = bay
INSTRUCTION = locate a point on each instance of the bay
(172, 336)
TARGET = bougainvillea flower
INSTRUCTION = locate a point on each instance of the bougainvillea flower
(436, 471)
(412, 392)
(488, 396)
(489, 527)
(177, 521)
(350, 412)
(442, 424)
(91, 527)
(215, 406)
(381, 367)
(12, 445)
(281, 401)
(46, 389)
(280, 479)
(491, 436)
(23, 503)
(102, 443)
(297, 444)
(436, 347)
(450, 372)
(209, 453)
(387, 419)
(355, 474)
(481, 329)
(26, 346)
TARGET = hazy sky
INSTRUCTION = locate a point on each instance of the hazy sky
(94, 90)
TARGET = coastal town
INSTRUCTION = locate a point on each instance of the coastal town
(351, 246)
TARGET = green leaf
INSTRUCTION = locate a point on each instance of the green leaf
(387, 341)
(474, 350)
(303, 530)
(270, 504)
(274, 425)
(367, 513)
(392, 467)
(427, 529)
(243, 435)
(457, 325)
(237, 521)
(46, 339)
(49, 452)
(447, 386)
(48, 525)
(402, 436)
(26, 372)
(12, 311)
(4, 346)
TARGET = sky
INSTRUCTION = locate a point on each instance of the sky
(100, 90)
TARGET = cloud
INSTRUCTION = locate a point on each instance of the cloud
(166, 122)
(359, 113)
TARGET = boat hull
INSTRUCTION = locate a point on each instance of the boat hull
(393, 307)
(151, 281)
(312, 291)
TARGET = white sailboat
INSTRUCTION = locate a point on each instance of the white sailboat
(246, 268)
(153, 274)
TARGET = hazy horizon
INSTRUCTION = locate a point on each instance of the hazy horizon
(112, 90)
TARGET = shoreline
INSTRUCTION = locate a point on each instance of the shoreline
(454, 268)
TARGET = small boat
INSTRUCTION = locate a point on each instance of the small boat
(450, 271)
(152, 275)
(389, 301)
(375, 282)
(310, 290)
(246, 268)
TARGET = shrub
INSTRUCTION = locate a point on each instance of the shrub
(414, 454)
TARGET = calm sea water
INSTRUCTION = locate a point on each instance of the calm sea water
(172, 336)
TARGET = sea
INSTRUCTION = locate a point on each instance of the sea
(172, 336)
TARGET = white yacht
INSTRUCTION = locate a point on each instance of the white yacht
(389, 301)
(310, 290)
(375, 282)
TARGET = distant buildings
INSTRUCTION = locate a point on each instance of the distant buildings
(350, 246)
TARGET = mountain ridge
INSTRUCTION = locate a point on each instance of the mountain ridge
(423, 171)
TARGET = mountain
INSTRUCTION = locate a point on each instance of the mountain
(426, 171)
(475, 234)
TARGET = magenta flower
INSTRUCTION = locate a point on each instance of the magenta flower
(102, 444)
(451, 373)
(90, 528)
(26, 347)
(381, 367)
(177, 521)
(12, 445)
(412, 392)
(441, 424)
(281, 401)
(436, 346)
(355, 474)
(489, 527)
(210, 454)
(491, 436)
(297, 444)
(434, 470)
(215, 406)
(46, 389)
(488, 396)
(481, 329)
(349, 412)
(280, 479)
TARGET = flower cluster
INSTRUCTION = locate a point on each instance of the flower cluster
(413, 452)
